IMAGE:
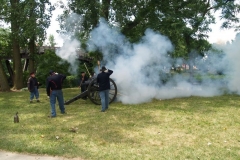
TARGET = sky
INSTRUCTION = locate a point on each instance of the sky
(217, 35)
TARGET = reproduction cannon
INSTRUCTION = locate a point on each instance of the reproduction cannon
(92, 92)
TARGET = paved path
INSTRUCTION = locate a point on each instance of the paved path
(4, 155)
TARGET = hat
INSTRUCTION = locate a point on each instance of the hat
(51, 72)
(32, 73)
(103, 68)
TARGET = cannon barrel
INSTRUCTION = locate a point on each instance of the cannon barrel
(93, 92)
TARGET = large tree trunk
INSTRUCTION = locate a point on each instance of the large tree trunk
(17, 65)
(31, 55)
(4, 86)
(105, 8)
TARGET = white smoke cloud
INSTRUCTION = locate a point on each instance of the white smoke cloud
(232, 51)
(69, 53)
(71, 45)
(142, 71)
(139, 69)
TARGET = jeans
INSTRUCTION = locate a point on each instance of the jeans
(56, 94)
(104, 95)
(34, 93)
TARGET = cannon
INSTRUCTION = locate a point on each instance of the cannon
(92, 92)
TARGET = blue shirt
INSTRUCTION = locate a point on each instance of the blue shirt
(103, 80)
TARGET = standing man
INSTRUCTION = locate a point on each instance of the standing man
(33, 87)
(54, 91)
(83, 84)
(104, 86)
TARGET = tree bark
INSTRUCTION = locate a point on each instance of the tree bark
(17, 65)
(105, 9)
(31, 55)
(4, 86)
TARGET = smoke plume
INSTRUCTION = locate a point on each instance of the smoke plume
(71, 46)
(142, 71)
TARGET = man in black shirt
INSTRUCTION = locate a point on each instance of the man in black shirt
(83, 83)
(54, 90)
(33, 87)
(104, 86)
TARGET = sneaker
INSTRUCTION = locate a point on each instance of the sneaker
(38, 100)
(31, 101)
(63, 112)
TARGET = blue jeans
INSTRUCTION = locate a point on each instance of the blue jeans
(56, 94)
(104, 95)
(34, 93)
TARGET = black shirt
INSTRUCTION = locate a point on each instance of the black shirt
(55, 82)
(32, 82)
(103, 80)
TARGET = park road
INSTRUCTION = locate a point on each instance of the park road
(4, 155)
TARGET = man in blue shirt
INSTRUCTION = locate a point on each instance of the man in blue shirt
(104, 86)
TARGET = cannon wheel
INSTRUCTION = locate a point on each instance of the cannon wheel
(93, 92)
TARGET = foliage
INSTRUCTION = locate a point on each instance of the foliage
(5, 42)
(29, 20)
(50, 61)
(51, 40)
(71, 81)
(35, 17)
(180, 128)
(5, 48)
(186, 23)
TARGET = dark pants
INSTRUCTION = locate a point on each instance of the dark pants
(34, 93)
(56, 94)
(104, 95)
(83, 89)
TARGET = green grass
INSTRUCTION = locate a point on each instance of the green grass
(181, 128)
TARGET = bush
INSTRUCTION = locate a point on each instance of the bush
(71, 81)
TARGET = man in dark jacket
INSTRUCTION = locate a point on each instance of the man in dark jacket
(54, 91)
(83, 83)
(104, 86)
(33, 87)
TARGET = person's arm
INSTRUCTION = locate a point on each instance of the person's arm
(63, 77)
(29, 84)
(38, 84)
(48, 88)
(97, 78)
(109, 72)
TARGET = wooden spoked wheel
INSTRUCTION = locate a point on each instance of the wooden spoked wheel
(93, 92)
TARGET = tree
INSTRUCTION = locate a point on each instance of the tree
(29, 20)
(4, 50)
(15, 18)
(51, 40)
(38, 14)
(50, 61)
(186, 23)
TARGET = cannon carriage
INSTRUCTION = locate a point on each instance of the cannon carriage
(92, 92)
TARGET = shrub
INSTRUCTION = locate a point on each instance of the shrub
(71, 81)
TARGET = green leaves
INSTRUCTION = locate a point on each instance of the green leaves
(5, 43)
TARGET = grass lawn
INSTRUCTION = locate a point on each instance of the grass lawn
(180, 128)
